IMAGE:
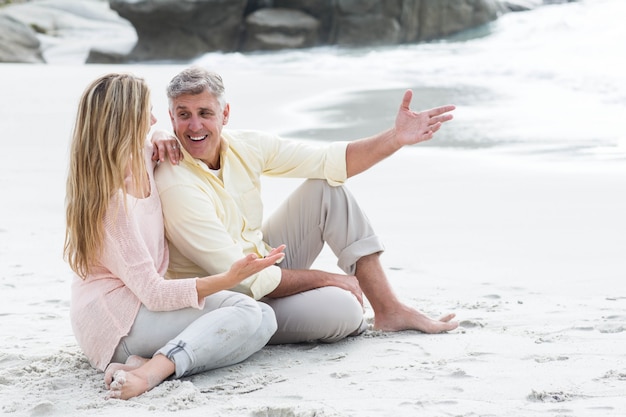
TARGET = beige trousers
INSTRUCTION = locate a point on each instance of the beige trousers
(313, 215)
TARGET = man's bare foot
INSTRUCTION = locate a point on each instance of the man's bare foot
(133, 362)
(407, 318)
(132, 383)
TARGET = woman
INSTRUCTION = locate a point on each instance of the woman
(128, 319)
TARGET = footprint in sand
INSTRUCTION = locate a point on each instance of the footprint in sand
(550, 396)
(288, 412)
(613, 374)
(243, 385)
(546, 359)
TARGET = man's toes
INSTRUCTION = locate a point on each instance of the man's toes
(447, 317)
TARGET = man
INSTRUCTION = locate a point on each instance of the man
(213, 214)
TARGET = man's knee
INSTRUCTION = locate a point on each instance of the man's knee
(326, 314)
(345, 312)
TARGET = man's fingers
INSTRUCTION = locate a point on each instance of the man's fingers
(406, 100)
(437, 111)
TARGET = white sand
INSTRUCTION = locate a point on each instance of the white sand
(528, 251)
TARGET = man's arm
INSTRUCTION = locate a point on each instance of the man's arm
(410, 128)
(200, 244)
(295, 281)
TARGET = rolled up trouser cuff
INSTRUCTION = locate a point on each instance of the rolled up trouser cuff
(316, 214)
(349, 256)
(180, 355)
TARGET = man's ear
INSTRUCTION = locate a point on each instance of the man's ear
(226, 113)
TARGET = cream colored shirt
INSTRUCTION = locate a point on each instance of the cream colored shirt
(212, 222)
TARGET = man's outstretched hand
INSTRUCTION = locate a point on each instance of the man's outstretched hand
(414, 127)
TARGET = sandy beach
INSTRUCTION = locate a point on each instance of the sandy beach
(527, 250)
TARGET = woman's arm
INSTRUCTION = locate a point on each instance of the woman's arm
(165, 144)
(242, 269)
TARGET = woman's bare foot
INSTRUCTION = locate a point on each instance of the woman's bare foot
(126, 384)
(407, 318)
(132, 383)
(133, 362)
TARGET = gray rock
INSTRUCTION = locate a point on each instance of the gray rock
(268, 29)
(182, 29)
(369, 22)
(410, 20)
(363, 30)
(68, 29)
(366, 22)
(358, 6)
(519, 5)
(323, 10)
(18, 42)
(93, 31)
(441, 18)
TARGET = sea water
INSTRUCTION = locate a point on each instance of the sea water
(549, 81)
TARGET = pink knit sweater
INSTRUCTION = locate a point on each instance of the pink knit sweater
(134, 261)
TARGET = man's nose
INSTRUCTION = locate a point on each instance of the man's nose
(194, 123)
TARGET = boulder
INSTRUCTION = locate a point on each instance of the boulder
(68, 29)
(182, 29)
(371, 22)
(269, 29)
(519, 5)
(366, 30)
(441, 18)
(18, 42)
(322, 10)
(365, 22)
(117, 31)
(358, 6)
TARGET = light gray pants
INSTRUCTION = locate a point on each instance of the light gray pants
(229, 329)
(314, 214)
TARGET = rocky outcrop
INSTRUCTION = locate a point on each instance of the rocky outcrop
(182, 29)
(117, 31)
(18, 42)
(440, 18)
(526, 5)
(373, 22)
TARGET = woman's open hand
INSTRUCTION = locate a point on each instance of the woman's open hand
(252, 264)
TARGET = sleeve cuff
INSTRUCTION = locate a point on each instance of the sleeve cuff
(335, 170)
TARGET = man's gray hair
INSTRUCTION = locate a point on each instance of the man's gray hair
(196, 80)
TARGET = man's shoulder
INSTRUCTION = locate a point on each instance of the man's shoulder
(167, 174)
(247, 136)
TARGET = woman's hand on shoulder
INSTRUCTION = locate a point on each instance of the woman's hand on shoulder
(165, 145)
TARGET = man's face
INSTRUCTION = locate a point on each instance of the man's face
(198, 121)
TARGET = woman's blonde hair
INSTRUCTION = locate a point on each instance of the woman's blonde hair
(113, 119)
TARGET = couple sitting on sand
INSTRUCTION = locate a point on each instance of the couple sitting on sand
(176, 271)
